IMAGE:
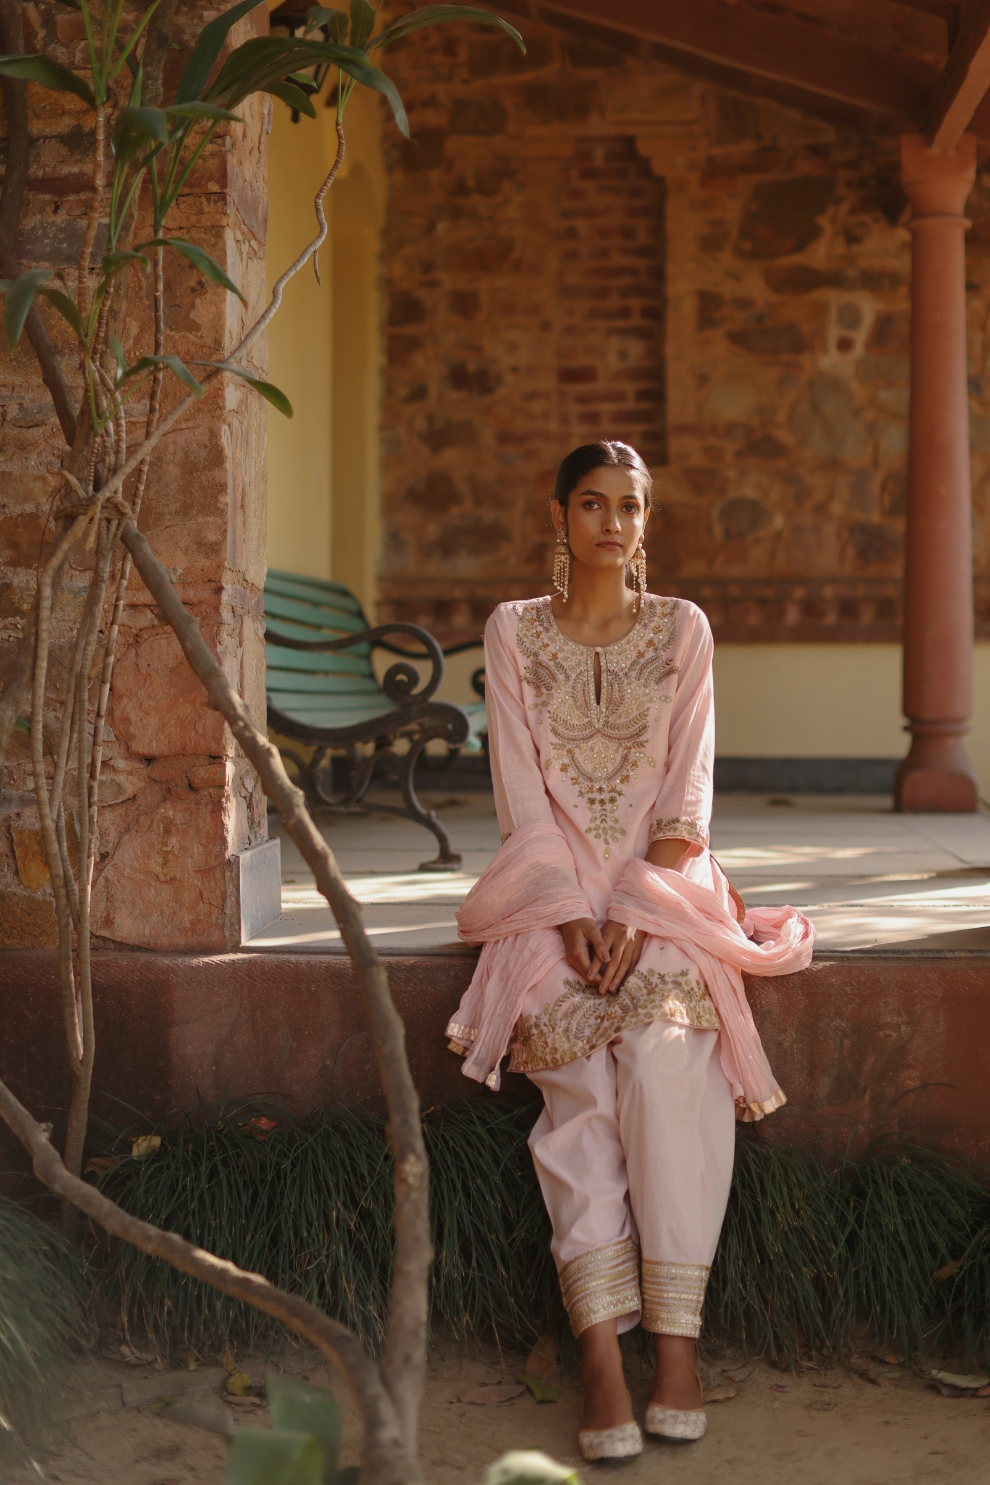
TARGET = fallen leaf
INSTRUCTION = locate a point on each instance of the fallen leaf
(888, 1355)
(259, 1126)
(829, 1385)
(161, 1404)
(983, 1391)
(245, 1401)
(777, 1387)
(228, 1361)
(966, 1383)
(482, 1396)
(98, 1163)
(238, 1383)
(542, 1391)
(145, 1144)
(189, 1361)
(134, 1357)
(953, 1267)
(725, 1392)
(542, 1360)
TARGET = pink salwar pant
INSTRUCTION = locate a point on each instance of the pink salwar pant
(634, 1152)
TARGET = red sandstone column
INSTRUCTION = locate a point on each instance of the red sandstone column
(938, 579)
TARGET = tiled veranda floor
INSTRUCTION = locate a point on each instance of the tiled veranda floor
(869, 879)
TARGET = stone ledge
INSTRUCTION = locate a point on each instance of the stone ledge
(846, 1038)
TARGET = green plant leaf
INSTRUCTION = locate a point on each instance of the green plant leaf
(304, 1409)
(542, 1391)
(150, 123)
(49, 74)
(181, 370)
(207, 50)
(362, 22)
(19, 296)
(270, 392)
(200, 110)
(334, 20)
(436, 15)
(200, 258)
(137, 85)
(67, 308)
(114, 262)
(261, 1456)
(293, 96)
(118, 351)
(266, 59)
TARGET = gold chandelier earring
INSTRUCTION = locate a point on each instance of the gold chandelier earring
(639, 574)
(562, 566)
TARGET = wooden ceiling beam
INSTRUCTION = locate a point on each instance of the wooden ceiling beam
(780, 49)
(964, 83)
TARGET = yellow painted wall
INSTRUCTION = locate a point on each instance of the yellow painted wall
(324, 349)
(300, 478)
(826, 701)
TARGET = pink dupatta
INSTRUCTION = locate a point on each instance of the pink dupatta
(531, 887)
(692, 917)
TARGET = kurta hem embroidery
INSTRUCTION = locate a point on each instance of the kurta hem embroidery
(582, 1019)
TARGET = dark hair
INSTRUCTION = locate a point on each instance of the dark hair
(589, 456)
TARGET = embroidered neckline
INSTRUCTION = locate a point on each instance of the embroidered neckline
(593, 650)
(598, 745)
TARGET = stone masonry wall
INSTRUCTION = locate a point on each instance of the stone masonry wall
(177, 797)
(585, 242)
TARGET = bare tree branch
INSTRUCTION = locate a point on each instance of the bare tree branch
(405, 1354)
(387, 1460)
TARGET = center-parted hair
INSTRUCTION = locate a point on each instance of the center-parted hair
(606, 452)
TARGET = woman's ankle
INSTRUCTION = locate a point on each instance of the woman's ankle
(676, 1382)
(607, 1403)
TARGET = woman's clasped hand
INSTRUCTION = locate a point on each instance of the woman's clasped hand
(603, 957)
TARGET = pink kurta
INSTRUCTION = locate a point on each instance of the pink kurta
(614, 772)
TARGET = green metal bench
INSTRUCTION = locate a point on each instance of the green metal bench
(322, 690)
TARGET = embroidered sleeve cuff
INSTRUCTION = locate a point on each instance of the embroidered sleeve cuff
(673, 829)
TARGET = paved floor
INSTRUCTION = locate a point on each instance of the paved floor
(869, 879)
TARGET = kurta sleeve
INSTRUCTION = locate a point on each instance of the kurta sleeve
(684, 805)
(517, 778)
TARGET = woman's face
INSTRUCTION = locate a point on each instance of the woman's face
(605, 517)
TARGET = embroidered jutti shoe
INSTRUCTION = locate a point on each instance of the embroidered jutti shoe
(623, 1442)
(688, 1424)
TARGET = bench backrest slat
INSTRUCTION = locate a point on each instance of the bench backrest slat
(338, 689)
(324, 622)
(332, 596)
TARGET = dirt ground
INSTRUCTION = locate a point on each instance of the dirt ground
(818, 1428)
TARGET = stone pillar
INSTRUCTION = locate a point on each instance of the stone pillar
(183, 862)
(938, 581)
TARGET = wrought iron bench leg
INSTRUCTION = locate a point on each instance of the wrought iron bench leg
(447, 860)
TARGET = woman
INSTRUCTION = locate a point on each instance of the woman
(613, 951)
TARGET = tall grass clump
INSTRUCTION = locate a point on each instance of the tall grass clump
(308, 1203)
(908, 1214)
(773, 1285)
(43, 1299)
(893, 1248)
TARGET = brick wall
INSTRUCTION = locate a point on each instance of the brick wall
(586, 242)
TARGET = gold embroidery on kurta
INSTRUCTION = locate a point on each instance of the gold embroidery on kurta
(599, 740)
(670, 828)
(581, 1019)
